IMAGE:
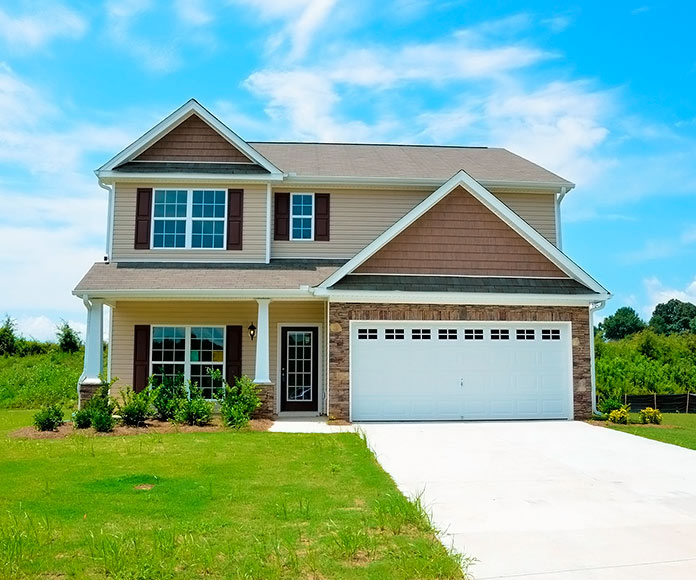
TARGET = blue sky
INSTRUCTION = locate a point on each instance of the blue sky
(600, 92)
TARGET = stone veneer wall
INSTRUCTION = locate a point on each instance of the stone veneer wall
(340, 315)
(267, 396)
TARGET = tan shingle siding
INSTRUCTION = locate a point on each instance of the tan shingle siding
(254, 224)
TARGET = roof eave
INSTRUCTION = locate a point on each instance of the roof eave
(473, 298)
(112, 176)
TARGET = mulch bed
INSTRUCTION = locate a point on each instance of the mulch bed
(151, 426)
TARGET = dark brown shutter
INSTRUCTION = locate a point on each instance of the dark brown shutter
(143, 215)
(141, 357)
(233, 353)
(282, 216)
(321, 217)
(235, 212)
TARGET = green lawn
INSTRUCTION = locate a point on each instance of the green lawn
(676, 428)
(213, 505)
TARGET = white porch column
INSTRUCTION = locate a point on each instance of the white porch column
(262, 344)
(94, 354)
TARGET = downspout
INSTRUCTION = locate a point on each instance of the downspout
(559, 236)
(594, 307)
(109, 219)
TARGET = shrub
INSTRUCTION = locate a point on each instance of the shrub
(134, 408)
(619, 416)
(102, 420)
(48, 418)
(167, 395)
(82, 419)
(68, 340)
(609, 405)
(650, 415)
(194, 410)
(237, 402)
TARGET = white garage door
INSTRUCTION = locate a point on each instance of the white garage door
(415, 371)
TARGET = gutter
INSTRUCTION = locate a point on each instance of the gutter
(594, 307)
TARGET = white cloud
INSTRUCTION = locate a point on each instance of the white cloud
(193, 12)
(122, 15)
(658, 293)
(44, 23)
(302, 20)
(44, 328)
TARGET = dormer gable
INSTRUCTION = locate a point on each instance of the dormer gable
(190, 140)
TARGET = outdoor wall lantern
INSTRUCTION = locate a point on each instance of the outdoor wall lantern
(252, 331)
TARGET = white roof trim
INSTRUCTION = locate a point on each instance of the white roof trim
(492, 203)
(198, 294)
(483, 298)
(192, 107)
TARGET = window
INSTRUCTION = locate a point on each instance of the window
(188, 352)
(525, 334)
(447, 334)
(302, 216)
(473, 334)
(185, 218)
(420, 334)
(394, 334)
(367, 334)
(500, 334)
(550, 334)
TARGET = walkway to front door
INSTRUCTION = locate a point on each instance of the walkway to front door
(299, 385)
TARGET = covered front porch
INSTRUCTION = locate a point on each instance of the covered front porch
(280, 344)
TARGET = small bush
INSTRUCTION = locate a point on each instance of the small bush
(650, 415)
(82, 419)
(102, 420)
(167, 395)
(195, 410)
(619, 416)
(237, 402)
(134, 408)
(48, 418)
(609, 405)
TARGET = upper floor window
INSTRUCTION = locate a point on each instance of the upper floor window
(302, 216)
(188, 218)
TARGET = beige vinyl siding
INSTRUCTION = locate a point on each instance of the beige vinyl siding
(357, 218)
(127, 314)
(254, 227)
(537, 209)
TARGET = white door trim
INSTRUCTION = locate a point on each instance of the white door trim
(320, 367)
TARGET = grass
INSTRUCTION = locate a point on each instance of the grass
(26, 382)
(678, 429)
(238, 505)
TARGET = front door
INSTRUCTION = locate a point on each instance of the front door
(299, 387)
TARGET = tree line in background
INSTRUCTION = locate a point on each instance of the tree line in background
(11, 343)
(634, 357)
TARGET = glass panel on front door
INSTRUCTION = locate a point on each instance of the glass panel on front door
(300, 364)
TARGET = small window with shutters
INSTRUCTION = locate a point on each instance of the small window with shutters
(302, 216)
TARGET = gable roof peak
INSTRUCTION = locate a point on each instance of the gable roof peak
(173, 120)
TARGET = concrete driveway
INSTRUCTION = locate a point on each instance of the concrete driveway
(550, 500)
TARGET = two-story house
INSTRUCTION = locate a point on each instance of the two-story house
(362, 281)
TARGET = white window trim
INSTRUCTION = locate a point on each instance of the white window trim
(187, 340)
(312, 217)
(189, 220)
